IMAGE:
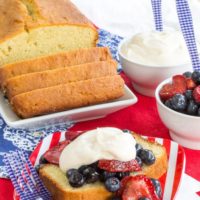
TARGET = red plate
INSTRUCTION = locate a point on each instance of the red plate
(170, 181)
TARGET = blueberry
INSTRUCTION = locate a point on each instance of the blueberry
(82, 168)
(147, 156)
(116, 198)
(198, 112)
(90, 175)
(105, 175)
(76, 179)
(94, 165)
(143, 198)
(168, 103)
(188, 94)
(187, 74)
(138, 147)
(179, 102)
(70, 172)
(43, 160)
(157, 186)
(139, 160)
(121, 175)
(196, 76)
(126, 131)
(112, 184)
(37, 168)
(192, 108)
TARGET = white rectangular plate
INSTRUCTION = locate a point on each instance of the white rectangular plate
(73, 115)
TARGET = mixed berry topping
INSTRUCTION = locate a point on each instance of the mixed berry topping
(183, 94)
(115, 175)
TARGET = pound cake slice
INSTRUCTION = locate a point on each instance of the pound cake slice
(37, 80)
(32, 28)
(54, 61)
(67, 96)
(57, 182)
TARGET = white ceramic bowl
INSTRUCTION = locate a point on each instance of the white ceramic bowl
(184, 129)
(145, 78)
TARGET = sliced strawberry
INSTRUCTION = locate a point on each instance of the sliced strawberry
(118, 166)
(179, 84)
(123, 183)
(71, 135)
(178, 79)
(167, 92)
(196, 94)
(53, 154)
(190, 84)
(139, 186)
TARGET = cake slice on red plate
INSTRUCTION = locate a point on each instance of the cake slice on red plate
(102, 164)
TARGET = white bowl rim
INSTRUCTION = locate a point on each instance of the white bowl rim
(158, 100)
(140, 64)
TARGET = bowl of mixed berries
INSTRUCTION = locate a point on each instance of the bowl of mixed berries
(178, 103)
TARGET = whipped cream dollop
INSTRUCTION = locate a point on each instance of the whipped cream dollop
(157, 48)
(101, 143)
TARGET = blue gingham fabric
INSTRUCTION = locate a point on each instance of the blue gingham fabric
(14, 139)
(24, 177)
(157, 12)
(186, 24)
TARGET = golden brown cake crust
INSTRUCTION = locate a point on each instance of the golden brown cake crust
(67, 96)
(18, 16)
(61, 190)
(37, 80)
(160, 166)
(54, 61)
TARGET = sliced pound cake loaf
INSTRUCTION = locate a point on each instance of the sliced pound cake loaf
(66, 96)
(28, 82)
(54, 61)
(32, 28)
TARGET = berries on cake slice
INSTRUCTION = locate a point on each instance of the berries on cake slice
(107, 178)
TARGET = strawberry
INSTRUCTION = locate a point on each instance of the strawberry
(139, 186)
(166, 92)
(196, 94)
(71, 135)
(178, 80)
(179, 84)
(190, 84)
(118, 166)
(53, 154)
(123, 183)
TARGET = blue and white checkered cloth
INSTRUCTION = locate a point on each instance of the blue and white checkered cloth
(157, 12)
(186, 24)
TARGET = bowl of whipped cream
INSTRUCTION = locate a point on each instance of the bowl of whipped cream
(148, 58)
